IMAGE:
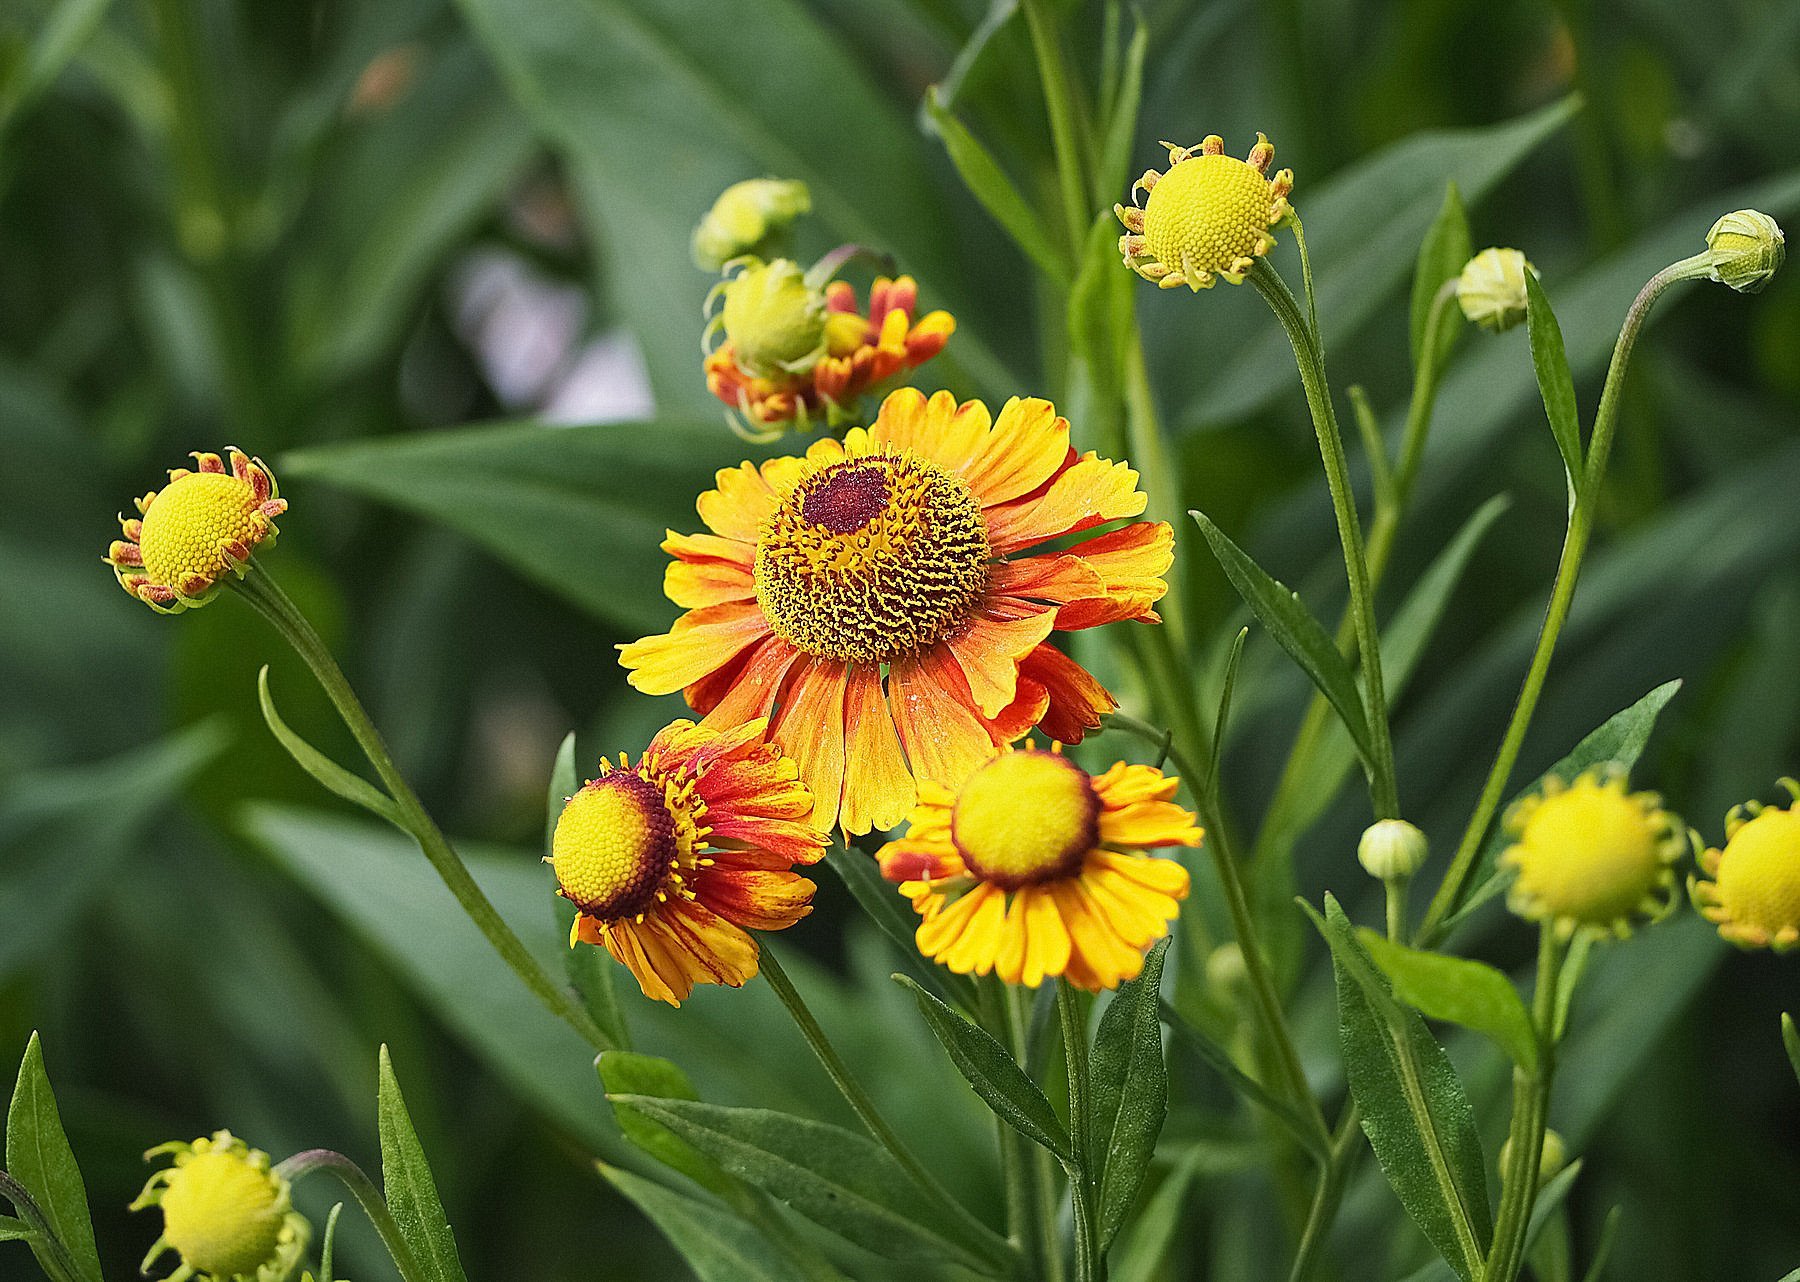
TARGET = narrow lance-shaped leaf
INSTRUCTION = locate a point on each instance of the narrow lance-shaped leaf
(989, 184)
(1442, 255)
(716, 1244)
(411, 1193)
(1131, 1091)
(1555, 384)
(861, 875)
(625, 1073)
(1458, 990)
(351, 787)
(38, 1156)
(1790, 1038)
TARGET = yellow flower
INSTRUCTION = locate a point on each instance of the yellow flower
(672, 862)
(1491, 288)
(226, 1214)
(196, 530)
(1752, 886)
(1209, 216)
(1035, 869)
(747, 218)
(1590, 855)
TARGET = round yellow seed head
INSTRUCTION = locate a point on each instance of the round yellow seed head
(1209, 217)
(226, 1213)
(1491, 289)
(1754, 891)
(746, 218)
(1025, 817)
(191, 525)
(774, 319)
(1392, 848)
(614, 846)
(1747, 248)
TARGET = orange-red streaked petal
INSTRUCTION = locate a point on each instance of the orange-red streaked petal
(1090, 491)
(988, 651)
(935, 717)
(810, 728)
(1027, 445)
(700, 643)
(1077, 700)
(751, 689)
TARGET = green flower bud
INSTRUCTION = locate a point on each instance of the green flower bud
(1225, 971)
(1391, 848)
(746, 219)
(773, 318)
(1491, 289)
(1747, 249)
(1551, 1161)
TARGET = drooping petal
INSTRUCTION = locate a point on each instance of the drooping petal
(878, 788)
(1076, 700)
(935, 717)
(756, 898)
(988, 650)
(746, 691)
(810, 729)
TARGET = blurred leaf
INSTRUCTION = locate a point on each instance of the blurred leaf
(1555, 384)
(38, 1156)
(1100, 322)
(628, 1073)
(883, 905)
(1151, 1235)
(716, 1244)
(988, 183)
(838, 1180)
(1458, 990)
(1131, 1091)
(580, 510)
(1003, 1086)
(1442, 256)
(57, 39)
(1292, 625)
(1609, 1238)
(407, 1185)
(1198, 1041)
(352, 788)
(997, 15)
(1415, 1111)
(1790, 1038)
(1121, 128)
(591, 970)
(12, 1230)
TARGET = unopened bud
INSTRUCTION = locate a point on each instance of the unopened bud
(1747, 248)
(773, 318)
(1391, 848)
(746, 218)
(1551, 1161)
(1491, 289)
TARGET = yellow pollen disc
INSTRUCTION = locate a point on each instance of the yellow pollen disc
(222, 1214)
(1758, 882)
(191, 522)
(615, 846)
(870, 559)
(1590, 854)
(1210, 211)
(1025, 817)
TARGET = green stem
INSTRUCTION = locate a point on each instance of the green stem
(997, 1247)
(33, 1215)
(367, 1196)
(1000, 1015)
(1329, 1194)
(1089, 1265)
(266, 596)
(1310, 358)
(1562, 596)
(1043, 1169)
(1531, 1106)
(1394, 889)
(1065, 129)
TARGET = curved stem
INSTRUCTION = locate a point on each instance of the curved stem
(33, 1215)
(1089, 1266)
(266, 596)
(367, 1196)
(1310, 359)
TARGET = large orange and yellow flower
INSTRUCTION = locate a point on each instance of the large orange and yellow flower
(1034, 869)
(882, 600)
(671, 863)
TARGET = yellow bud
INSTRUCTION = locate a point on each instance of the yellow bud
(1491, 289)
(1747, 248)
(1391, 848)
(773, 318)
(745, 218)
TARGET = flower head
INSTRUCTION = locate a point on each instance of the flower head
(750, 217)
(1752, 886)
(1391, 848)
(1590, 855)
(199, 528)
(672, 862)
(1491, 289)
(880, 599)
(1747, 250)
(226, 1214)
(1210, 216)
(1033, 869)
(798, 353)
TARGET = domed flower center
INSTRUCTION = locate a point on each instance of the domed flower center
(1759, 873)
(1590, 854)
(1025, 817)
(615, 846)
(1207, 213)
(870, 559)
(190, 524)
(222, 1214)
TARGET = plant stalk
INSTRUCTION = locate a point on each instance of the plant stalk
(367, 1196)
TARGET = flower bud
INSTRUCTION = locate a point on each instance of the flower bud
(1391, 848)
(227, 1213)
(1551, 1161)
(1491, 288)
(1225, 970)
(1747, 248)
(746, 218)
(774, 319)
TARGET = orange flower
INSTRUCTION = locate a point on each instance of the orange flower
(1033, 869)
(879, 599)
(861, 352)
(672, 862)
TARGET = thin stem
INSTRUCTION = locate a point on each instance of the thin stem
(1030, 1207)
(1329, 1194)
(1562, 596)
(367, 1196)
(1043, 1168)
(266, 596)
(871, 1118)
(1394, 890)
(1089, 1267)
(1531, 1105)
(33, 1215)
(1065, 130)
(1310, 359)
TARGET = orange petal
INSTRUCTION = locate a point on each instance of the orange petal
(1132, 562)
(1076, 700)
(948, 434)
(935, 715)
(1027, 445)
(810, 729)
(748, 691)
(1089, 491)
(988, 651)
(879, 788)
(700, 643)
(756, 898)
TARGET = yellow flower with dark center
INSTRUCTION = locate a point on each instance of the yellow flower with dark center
(1752, 886)
(226, 1214)
(1210, 216)
(191, 534)
(672, 862)
(1035, 869)
(1591, 855)
(887, 600)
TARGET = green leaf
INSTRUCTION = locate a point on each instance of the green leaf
(1121, 128)
(1222, 719)
(1131, 1091)
(591, 970)
(715, 1243)
(837, 1179)
(1790, 1038)
(1002, 1085)
(1294, 629)
(1442, 255)
(1305, 1134)
(627, 1073)
(883, 904)
(1556, 385)
(989, 184)
(1144, 1250)
(1550, 1199)
(12, 1230)
(351, 787)
(1415, 1111)
(55, 40)
(38, 1156)
(1609, 1238)
(408, 1187)
(328, 1244)
(1458, 990)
